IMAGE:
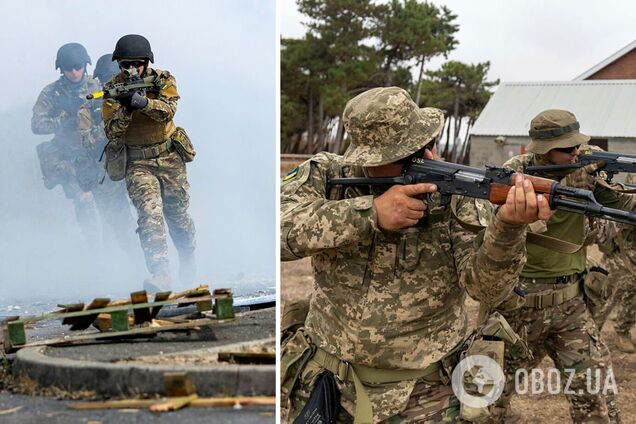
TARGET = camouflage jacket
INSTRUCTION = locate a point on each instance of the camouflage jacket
(622, 238)
(56, 110)
(91, 129)
(543, 262)
(391, 299)
(151, 125)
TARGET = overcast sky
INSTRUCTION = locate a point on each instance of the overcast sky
(222, 54)
(527, 40)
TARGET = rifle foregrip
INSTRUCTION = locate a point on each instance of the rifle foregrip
(499, 192)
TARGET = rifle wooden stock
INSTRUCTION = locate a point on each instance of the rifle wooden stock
(499, 192)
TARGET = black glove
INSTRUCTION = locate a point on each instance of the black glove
(124, 99)
(138, 101)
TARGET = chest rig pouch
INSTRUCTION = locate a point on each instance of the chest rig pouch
(488, 340)
(183, 145)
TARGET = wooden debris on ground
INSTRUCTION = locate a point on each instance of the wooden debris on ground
(199, 402)
(135, 316)
(180, 393)
(10, 410)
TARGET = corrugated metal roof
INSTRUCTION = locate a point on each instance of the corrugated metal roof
(594, 69)
(605, 108)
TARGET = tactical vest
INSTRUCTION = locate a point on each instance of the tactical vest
(143, 130)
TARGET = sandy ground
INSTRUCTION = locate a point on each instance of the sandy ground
(296, 283)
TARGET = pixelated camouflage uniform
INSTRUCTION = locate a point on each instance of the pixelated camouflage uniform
(624, 240)
(158, 187)
(56, 112)
(602, 287)
(110, 196)
(566, 332)
(389, 299)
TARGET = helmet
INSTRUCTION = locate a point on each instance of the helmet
(71, 54)
(554, 128)
(105, 68)
(385, 125)
(133, 46)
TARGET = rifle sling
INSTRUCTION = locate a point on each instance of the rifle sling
(605, 184)
(548, 242)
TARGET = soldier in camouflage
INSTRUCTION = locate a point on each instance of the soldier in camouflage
(553, 313)
(56, 112)
(156, 178)
(391, 274)
(618, 249)
(110, 196)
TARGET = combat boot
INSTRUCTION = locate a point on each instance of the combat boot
(158, 283)
(625, 344)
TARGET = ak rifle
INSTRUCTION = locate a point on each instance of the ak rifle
(491, 184)
(614, 163)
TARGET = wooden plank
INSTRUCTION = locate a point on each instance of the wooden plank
(223, 303)
(6, 337)
(119, 321)
(173, 404)
(195, 403)
(82, 323)
(114, 404)
(159, 297)
(199, 291)
(109, 309)
(17, 335)
(142, 314)
(233, 401)
(67, 309)
(133, 332)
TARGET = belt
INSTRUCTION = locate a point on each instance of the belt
(150, 152)
(553, 280)
(552, 297)
(361, 374)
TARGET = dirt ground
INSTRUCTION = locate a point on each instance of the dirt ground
(296, 283)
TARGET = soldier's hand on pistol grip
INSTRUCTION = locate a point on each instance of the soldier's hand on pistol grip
(138, 101)
(125, 98)
(399, 208)
(523, 205)
(584, 177)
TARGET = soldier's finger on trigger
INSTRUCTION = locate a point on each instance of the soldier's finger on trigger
(417, 189)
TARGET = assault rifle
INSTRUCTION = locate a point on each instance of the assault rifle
(491, 184)
(614, 163)
(132, 82)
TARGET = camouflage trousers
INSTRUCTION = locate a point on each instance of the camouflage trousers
(622, 277)
(113, 205)
(568, 335)
(159, 190)
(85, 212)
(428, 403)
